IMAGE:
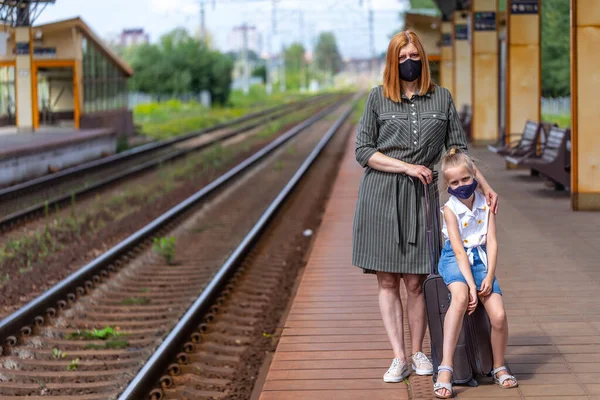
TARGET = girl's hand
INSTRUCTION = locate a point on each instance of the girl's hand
(472, 300)
(418, 171)
(486, 286)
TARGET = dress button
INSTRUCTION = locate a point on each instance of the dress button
(434, 115)
(412, 105)
(415, 131)
(393, 116)
(414, 113)
(414, 122)
(415, 142)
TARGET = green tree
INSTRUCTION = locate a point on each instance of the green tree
(181, 64)
(327, 55)
(260, 72)
(294, 57)
(555, 48)
(295, 68)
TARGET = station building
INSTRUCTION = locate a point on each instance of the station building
(61, 75)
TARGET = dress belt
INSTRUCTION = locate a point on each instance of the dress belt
(407, 232)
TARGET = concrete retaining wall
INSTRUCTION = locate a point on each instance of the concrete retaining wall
(25, 164)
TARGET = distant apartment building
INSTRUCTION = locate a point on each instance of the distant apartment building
(235, 39)
(132, 37)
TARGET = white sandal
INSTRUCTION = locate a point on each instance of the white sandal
(441, 385)
(503, 378)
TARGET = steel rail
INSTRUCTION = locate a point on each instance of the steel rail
(150, 373)
(69, 288)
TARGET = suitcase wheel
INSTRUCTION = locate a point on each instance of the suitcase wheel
(473, 383)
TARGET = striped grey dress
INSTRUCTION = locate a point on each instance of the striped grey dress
(389, 223)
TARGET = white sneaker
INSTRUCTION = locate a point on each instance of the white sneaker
(421, 364)
(397, 372)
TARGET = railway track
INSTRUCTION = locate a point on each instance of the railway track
(32, 199)
(135, 300)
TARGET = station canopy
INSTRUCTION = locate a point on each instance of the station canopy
(447, 7)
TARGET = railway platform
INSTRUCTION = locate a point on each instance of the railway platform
(25, 156)
(333, 344)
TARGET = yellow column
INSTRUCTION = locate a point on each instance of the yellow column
(523, 74)
(462, 60)
(585, 118)
(446, 57)
(485, 71)
(23, 78)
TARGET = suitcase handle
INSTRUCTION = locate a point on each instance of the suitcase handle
(429, 239)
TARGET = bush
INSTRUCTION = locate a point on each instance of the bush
(165, 247)
(173, 117)
(562, 120)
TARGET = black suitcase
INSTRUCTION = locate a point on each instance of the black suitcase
(473, 355)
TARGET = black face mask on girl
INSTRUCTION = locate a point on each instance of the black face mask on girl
(409, 70)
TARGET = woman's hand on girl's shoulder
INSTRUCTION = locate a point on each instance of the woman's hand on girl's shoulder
(492, 199)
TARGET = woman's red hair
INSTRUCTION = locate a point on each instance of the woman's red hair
(391, 80)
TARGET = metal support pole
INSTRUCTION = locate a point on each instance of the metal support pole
(202, 23)
(245, 59)
(282, 84)
(371, 38)
(302, 62)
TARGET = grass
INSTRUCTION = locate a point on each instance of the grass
(562, 120)
(135, 301)
(32, 249)
(171, 118)
(37, 247)
(74, 364)
(56, 353)
(357, 111)
(165, 247)
(96, 334)
(110, 344)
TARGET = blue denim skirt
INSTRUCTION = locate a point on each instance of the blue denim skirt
(450, 273)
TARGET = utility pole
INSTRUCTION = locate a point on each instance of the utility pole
(245, 58)
(302, 62)
(245, 62)
(202, 22)
(269, 83)
(274, 17)
(372, 39)
(282, 64)
(272, 34)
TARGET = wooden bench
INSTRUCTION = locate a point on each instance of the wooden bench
(525, 145)
(554, 161)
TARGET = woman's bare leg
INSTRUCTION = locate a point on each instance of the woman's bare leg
(415, 308)
(390, 306)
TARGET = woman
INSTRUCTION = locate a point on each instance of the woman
(404, 128)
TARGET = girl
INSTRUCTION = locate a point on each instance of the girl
(467, 265)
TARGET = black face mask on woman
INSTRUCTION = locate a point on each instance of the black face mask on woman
(409, 70)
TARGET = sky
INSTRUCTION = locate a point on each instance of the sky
(297, 20)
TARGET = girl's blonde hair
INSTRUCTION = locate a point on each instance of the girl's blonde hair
(455, 157)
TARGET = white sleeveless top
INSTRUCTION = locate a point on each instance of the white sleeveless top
(472, 224)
